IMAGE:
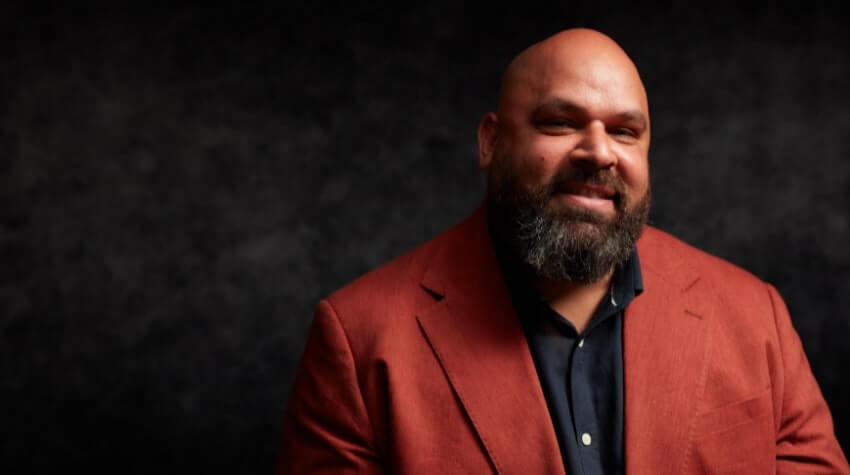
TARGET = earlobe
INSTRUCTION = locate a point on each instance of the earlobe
(487, 132)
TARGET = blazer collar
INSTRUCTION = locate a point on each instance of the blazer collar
(476, 336)
(665, 349)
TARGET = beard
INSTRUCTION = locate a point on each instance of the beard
(570, 244)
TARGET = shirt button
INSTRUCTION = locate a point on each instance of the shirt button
(585, 439)
(581, 343)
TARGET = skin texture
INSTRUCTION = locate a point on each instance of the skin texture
(574, 100)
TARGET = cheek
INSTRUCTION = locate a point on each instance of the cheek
(634, 169)
(531, 164)
(543, 157)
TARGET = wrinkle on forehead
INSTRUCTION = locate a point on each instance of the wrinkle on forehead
(579, 55)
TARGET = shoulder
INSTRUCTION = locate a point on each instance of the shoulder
(737, 297)
(741, 309)
(675, 259)
(394, 291)
(394, 279)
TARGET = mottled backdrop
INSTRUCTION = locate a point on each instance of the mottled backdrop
(178, 187)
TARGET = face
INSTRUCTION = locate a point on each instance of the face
(568, 182)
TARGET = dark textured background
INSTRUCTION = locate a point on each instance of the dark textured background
(178, 187)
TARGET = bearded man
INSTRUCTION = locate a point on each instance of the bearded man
(553, 331)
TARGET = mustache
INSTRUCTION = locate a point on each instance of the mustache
(569, 176)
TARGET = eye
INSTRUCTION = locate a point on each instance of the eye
(557, 124)
(623, 132)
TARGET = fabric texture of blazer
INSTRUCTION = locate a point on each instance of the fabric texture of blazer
(421, 366)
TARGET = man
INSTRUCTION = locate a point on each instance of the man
(552, 331)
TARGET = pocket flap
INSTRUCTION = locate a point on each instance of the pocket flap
(733, 414)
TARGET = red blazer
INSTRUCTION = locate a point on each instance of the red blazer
(421, 367)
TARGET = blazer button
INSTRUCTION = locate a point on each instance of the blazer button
(585, 439)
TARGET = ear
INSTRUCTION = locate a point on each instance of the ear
(487, 133)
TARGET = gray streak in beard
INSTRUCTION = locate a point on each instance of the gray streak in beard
(572, 246)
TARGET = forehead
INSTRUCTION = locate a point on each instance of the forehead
(596, 81)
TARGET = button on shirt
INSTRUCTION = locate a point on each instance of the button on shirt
(582, 374)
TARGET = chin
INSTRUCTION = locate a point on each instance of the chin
(583, 218)
(587, 231)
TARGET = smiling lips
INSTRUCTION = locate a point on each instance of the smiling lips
(596, 197)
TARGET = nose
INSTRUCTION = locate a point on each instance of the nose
(594, 150)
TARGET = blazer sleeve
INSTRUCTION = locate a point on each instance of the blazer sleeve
(805, 439)
(326, 427)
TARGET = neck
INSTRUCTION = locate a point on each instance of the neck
(575, 301)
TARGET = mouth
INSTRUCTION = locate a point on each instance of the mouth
(588, 190)
(584, 195)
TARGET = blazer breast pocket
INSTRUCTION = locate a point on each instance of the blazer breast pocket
(737, 437)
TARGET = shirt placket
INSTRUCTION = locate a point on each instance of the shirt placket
(585, 424)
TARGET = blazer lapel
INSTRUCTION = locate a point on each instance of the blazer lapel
(477, 338)
(665, 349)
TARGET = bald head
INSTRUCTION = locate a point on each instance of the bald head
(579, 55)
(567, 154)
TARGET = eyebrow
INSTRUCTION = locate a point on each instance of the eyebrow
(634, 116)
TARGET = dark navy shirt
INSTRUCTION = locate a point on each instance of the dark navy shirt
(582, 374)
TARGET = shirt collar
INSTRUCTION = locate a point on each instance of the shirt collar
(627, 283)
(625, 286)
